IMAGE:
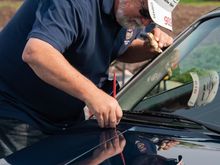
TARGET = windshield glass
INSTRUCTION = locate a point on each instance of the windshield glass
(185, 79)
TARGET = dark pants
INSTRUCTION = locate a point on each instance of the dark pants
(16, 135)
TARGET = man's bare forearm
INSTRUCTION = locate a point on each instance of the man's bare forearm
(137, 52)
(51, 66)
(140, 50)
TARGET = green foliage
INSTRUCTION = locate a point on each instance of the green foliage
(198, 1)
(201, 60)
(186, 77)
(206, 57)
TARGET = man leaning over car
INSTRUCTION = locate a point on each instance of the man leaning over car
(53, 55)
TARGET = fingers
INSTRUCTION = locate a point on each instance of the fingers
(156, 32)
(112, 119)
(119, 115)
(101, 121)
(109, 118)
(106, 109)
(106, 120)
(153, 43)
(163, 39)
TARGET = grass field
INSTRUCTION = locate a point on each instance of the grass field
(200, 2)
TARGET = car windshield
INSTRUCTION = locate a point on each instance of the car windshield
(184, 80)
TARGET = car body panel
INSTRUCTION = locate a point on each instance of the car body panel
(82, 142)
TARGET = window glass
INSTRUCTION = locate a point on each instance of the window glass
(192, 78)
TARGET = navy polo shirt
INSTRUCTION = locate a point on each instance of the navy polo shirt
(84, 31)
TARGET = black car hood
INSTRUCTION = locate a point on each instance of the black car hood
(142, 143)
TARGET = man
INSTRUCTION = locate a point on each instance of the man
(53, 55)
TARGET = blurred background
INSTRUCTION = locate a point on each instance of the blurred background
(184, 14)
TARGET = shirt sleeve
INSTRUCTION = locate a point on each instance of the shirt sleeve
(57, 23)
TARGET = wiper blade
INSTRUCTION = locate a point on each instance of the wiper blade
(158, 119)
(169, 120)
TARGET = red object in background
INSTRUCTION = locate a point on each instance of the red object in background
(114, 85)
(114, 95)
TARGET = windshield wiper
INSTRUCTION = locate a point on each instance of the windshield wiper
(158, 119)
(169, 120)
(208, 126)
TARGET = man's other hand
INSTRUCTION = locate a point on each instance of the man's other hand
(105, 108)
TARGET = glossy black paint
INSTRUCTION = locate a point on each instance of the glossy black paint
(81, 143)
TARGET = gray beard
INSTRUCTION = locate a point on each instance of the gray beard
(125, 21)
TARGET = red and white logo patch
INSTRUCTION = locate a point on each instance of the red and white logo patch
(168, 21)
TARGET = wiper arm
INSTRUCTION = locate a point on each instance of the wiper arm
(210, 127)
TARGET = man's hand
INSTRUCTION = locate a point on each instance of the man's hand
(162, 38)
(142, 49)
(156, 40)
(105, 108)
(150, 42)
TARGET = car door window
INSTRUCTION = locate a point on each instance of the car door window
(198, 55)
